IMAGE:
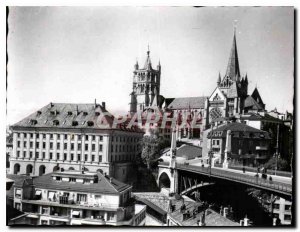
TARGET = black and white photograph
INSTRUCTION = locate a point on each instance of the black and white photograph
(150, 116)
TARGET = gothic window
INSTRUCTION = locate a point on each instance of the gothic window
(215, 113)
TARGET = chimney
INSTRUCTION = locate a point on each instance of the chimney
(95, 104)
(103, 105)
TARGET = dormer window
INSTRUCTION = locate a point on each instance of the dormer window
(38, 113)
(97, 113)
(55, 122)
(69, 113)
(32, 121)
(85, 113)
(74, 123)
(90, 123)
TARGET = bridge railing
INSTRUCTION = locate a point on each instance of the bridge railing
(284, 187)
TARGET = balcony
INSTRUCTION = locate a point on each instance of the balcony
(70, 203)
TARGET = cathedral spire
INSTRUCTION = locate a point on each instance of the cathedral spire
(219, 79)
(147, 65)
(233, 69)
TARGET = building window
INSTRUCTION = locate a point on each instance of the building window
(93, 158)
(85, 157)
(65, 156)
(24, 145)
(86, 147)
(66, 136)
(100, 158)
(110, 216)
(287, 207)
(19, 144)
(44, 155)
(112, 148)
(112, 138)
(44, 145)
(37, 136)
(79, 137)
(101, 138)
(81, 197)
(65, 146)
(18, 193)
(98, 197)
(51, 136)
(86, 137)
(276, 206)
(72, 157)
(18, 206)
(58, 146)
(93, 137)
(37, 144)
(44, 136)
(72, 179)
(51, 145)
(45, 210)
(72, 146)
(100, 147)
(30, 154)
(93, 147)
(79, 145)
(78, 157)
(18, 154)
(287, 217)
(25, 135)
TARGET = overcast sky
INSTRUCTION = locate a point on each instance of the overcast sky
(77, 54)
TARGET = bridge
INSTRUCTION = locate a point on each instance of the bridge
(184, 178)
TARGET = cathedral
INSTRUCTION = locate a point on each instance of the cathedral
(229, 101)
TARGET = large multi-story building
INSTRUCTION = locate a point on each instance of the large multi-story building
(73, 136)
(76, 198)
(282, 209)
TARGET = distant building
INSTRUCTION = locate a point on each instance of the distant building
(76, 198)
(282, 209)
(70, 137)
(243, 143)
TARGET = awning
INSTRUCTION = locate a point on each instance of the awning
(18, 191)
(76, 213)
(38, 192)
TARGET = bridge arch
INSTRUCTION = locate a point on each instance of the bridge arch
(164, 180)
(17, 168)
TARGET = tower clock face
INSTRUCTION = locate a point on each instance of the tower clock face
(215, 113)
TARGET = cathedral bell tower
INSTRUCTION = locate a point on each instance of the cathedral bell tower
(146, 83)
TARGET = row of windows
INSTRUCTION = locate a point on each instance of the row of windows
(72, 147)
(123, 139)
(123, 148)
(65, 136)
(125, 157)
(72, 156)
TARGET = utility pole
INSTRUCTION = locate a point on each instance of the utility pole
(277, 150)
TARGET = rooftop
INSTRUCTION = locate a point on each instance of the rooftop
(104, 185)
(75, 116)
(187, 103)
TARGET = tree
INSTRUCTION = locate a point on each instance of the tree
(151, 146)
(281, 164)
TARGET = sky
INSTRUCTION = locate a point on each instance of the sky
(79, 54)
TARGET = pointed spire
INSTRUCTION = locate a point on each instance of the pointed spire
(233, 69)
(219, 79)
(147, 65)
(246, 79)
(136, 66)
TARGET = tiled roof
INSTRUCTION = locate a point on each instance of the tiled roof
(65, 115)
(103, 185)
(187, 103)
(239, 130)
(251, 103)
(258, 117)
(189, 151)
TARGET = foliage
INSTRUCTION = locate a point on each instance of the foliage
(281, 164)
(151, 146)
